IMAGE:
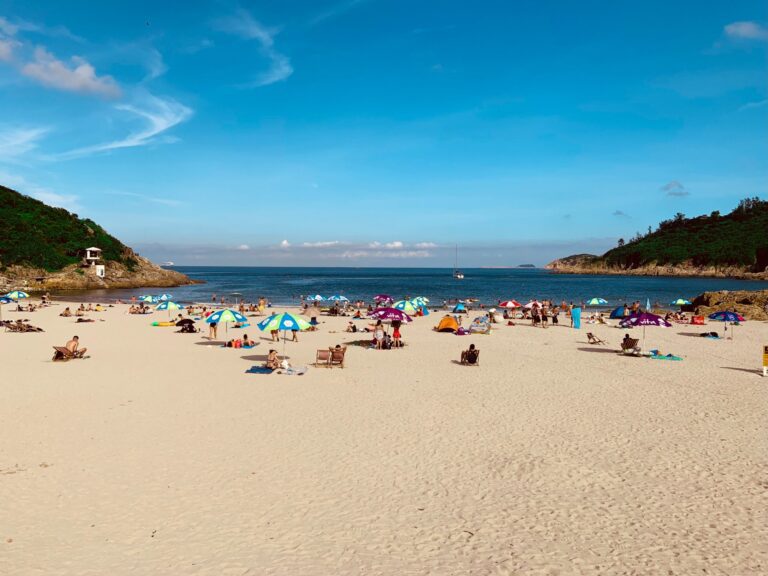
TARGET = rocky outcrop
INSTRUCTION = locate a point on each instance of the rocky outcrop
(589, 264)
(76, 277)
(753, 305)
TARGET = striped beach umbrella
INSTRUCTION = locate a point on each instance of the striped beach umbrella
(149, 299)
(597, 302)
(510, 304)
(17, 295)
(406, 306)
(337, 298)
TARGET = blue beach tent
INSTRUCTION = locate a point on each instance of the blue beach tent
(617, 313)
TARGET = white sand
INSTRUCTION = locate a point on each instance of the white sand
(159, 455)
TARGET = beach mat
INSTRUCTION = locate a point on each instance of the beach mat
(258, 370)
(667, 357)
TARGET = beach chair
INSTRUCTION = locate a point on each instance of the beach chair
(630, 346)
(594, 339)
(468, 359)
(323, 358)
(337, 356)
(62, 354)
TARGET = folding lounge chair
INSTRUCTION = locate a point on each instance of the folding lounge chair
(630, 346)
(337, 356)
(594, 339)
(323, 358)
(62, 354)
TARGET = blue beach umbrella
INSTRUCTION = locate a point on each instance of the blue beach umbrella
(726, 316)
(284, 322)
(17, 295)
(338, 298)
(407, 306)
(165, 297)
(315, 298)
(680, 302)
(597, 302)
(148, 299)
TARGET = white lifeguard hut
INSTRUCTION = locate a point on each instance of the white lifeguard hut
(92, 259)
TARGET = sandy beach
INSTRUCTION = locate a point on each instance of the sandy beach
(160, 455)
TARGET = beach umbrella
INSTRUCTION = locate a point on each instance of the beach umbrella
(148, 298)
(533, 303)
(390, 314)
(510, 304)
(726, 316)
(338, 298)
(185, 321)
(284, 322)
(597, 302)
(168, 305)
(644, 319)
(406, 306)
(17, 295)
(680, 302)
(165, 297)
(315, 298)
(226, 316)
(383, 298)
(420, 300)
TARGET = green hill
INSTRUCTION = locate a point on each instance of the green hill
(40, 236)
(723, 245)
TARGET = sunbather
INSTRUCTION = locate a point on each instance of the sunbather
(67, 312)
(74, 347)
(470, 356)
(273, 363)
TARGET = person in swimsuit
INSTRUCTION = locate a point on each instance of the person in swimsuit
(396, 342)
(378, 334)
(74, 347)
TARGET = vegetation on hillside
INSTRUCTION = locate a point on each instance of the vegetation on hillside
(34, 234)
(736, 239)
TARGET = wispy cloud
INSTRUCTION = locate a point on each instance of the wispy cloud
(752, 105)
(746, 30)
(326, 244)
(146, 198)
(423, 245)
(357, 254)
(12, 28)
(620, 214)
(17, 141)
(335, 10)
(79, 76)
(6, 49)
(242, 24)
(675, 188)
(21, 184)
(158, 115)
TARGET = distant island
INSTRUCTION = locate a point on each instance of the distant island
(526, 266)
(734, 245)
(46, 248)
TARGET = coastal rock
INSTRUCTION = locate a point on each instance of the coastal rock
(590, 264)
(76, 277)
(752, 304)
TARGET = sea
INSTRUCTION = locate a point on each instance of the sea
(287, 286)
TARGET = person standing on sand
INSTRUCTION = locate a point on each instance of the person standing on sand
(212, 331)
(570, 312)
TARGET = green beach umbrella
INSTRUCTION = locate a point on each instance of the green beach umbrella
(284, 322)
(227, 316)
(420, 301)
(168, 305)
(407, 306)
(680, 302)
(597, 302)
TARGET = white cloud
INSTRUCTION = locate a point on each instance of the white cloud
(158, 114)
(746, 30)
(15, 142)
(146, 198)
(80, 77)
(7, 28)
(285, 244)
(354, 254)
(244, 25)
(751, 105)
(243, 247)
(6, 49)
(620, 214)
(327, 244)
(425, 245)
(393, 245)
(374, 244)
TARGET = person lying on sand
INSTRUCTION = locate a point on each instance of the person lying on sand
(80, 320)
(273, 363)
(74, 347)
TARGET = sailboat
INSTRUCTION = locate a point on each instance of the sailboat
(457, 274)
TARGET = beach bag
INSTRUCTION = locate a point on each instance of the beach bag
(698, 320)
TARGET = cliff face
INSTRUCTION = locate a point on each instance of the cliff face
(753, 305)
(586, 264)
(75, 277)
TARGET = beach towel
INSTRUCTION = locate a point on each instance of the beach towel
(667, 357)
(258, 370)
(290, 371)
(576, 315)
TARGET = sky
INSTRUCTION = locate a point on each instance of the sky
(383, 132)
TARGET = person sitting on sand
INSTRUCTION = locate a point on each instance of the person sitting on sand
(74, 347)
(470, 356)
(247, 341)
(67, 312)
(272, 362)
(351, 327)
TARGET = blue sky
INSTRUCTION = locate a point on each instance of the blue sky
(377, 132)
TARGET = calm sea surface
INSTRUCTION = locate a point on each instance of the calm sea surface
(286, 285)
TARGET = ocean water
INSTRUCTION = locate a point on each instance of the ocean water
(284, 286)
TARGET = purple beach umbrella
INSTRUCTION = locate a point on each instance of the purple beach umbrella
(390, 314)
(644, 319)
(383, 298)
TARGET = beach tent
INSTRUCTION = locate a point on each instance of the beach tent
(460, 308)
(424, 310)
(617, 313)
(448, 324)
